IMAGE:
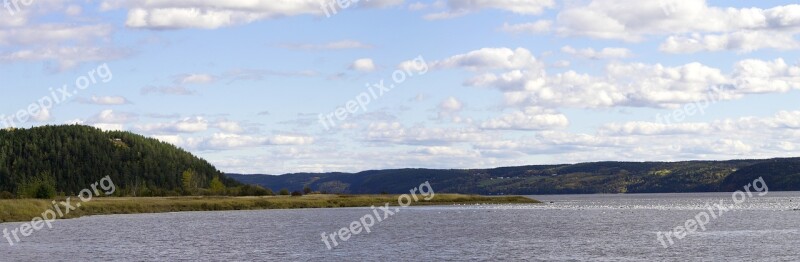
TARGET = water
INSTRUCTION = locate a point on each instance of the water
(571, 228)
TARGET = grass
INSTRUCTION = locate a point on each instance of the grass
(19, 210)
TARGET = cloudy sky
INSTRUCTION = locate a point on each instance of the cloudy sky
(277, 86)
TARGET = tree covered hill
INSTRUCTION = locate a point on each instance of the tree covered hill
(71, 158)
(583, 178)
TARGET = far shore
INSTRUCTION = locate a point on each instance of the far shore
(24, 210)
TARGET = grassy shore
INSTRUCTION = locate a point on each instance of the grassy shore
(19, 210)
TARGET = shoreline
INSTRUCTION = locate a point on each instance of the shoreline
(23, 210)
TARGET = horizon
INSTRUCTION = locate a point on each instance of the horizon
(273, 87)
(498, 167)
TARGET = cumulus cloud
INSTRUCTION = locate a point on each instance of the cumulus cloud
(209, 14)
(710, 28)
(110, 120)
(529, 119)
(489, 58)
(527, 83)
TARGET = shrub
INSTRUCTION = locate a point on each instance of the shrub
(42, 186)
(297, 193)
(284, 192)
(307, 190)
(45, 191)
(216, 186)
(254, 190)
(6, 195)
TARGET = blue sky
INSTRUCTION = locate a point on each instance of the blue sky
(489, 83)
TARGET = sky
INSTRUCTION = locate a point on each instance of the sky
(282, 86)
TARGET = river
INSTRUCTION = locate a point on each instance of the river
(565, 228)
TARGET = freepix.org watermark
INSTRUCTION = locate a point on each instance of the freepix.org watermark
(418, 66)
(42, 106)
(380, 214)
(59, 210)
(698, 222)
(15, 6)
(332, 7)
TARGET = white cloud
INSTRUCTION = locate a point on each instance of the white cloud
(196, 79)
(605, 53)
(65, 44)
(742, 41)
(106, 100)
(490, 58)
(227, 141)
(109, 120)
(456, 8)
(229, 126)
(394, 132)
(162, 14)
(112, 117)
(363, 65)
(109, 127)
(446, 151)
(530, 119)
(290, 140)
(711, 28)
(379, 3)
(67, 57)
(186, 125)
(650, 128)
(422, 6)
(210, 14)
(53, 33)
(73, 10)
(758, 76)
(43, 115)
(623, 84)
(541, 26)
(451, 104)
(339, 45)
(168, 90)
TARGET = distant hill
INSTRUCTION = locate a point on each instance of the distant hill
(71, 158)
(583, 178)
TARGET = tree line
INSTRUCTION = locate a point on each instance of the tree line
(63, 160)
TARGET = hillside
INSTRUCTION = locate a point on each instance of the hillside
(71, 158)
(583, 178)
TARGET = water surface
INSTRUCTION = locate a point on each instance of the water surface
(566, 228)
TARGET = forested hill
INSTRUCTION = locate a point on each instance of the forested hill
(71, 158)
(585, 178)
